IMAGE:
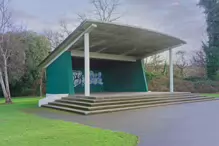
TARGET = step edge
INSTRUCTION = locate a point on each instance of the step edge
(130, 98)
(119, 105)
(144, 106)
(124, 101)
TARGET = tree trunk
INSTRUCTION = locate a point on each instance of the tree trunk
(8, 100)
(8, 97)
(3, 85)
(41, 81)
(41, 86)
(182, 72)
(6, 78)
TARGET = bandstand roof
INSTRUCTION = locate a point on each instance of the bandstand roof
(114, 41)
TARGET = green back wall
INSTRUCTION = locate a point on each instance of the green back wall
(59, 75)
(118, 76)
(125, 77)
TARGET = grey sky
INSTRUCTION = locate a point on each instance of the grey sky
(181, 18)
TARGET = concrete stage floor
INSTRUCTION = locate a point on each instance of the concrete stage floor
(124, 94)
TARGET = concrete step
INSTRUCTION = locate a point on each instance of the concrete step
(65, 109)
(131, 96)
(123, 99)
(76, 102)
(126, 95)
(145, 106)
(123, 108)
(91, 108)
(118, 101)
(82, 99)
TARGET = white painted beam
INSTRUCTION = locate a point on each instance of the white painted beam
(89, 29)
(104, 56)
(87, 64)
(171, 70)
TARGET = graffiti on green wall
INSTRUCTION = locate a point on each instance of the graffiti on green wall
(95, 78)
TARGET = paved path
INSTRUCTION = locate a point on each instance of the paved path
(194, 124)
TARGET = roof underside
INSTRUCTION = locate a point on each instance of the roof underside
(109, 38)
(114, 39)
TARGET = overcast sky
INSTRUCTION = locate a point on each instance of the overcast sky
(180, 18)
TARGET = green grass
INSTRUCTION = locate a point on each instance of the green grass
(22, 129)
(211, 95)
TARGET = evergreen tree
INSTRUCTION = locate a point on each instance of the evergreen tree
(211, 48)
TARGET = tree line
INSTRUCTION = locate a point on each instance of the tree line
(211, 47)
(207, 57)
(21, 51)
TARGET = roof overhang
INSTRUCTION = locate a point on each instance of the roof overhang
(114, 42)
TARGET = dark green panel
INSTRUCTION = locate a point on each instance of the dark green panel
(118, 76)
(125, 77)
(60, 76)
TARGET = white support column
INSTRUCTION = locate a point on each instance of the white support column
(171, 70)
(87, 64)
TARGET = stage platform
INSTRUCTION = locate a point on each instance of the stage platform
(112, 102)
(127, 94)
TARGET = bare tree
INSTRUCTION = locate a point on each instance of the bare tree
(4, 25)
(106, 10)
(64, 28)
(56, 37)
(10, 41)
(82, 17)
(181, 62)
(103, 10)
(155, 63)
(198, 59)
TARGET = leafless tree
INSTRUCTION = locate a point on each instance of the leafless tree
(82, 17)
(10, 41)
(106, 10)
(4, 25)
(64, 28)
(155, 63)
(57, 36)
(103, 10)
(198, 59)
(181, 62)
(54, 37)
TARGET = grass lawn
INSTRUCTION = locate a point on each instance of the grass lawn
(21, 129)
(211, 95)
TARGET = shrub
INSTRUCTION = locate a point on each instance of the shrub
(193, 79)
(197, 85)
(150, 76)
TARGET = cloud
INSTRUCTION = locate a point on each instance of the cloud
(176, 3)
(180, 18)
(36, 23)
(18, 14)
(30, 21)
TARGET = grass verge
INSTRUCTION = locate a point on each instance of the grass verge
(211, 95)
(21, 129)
